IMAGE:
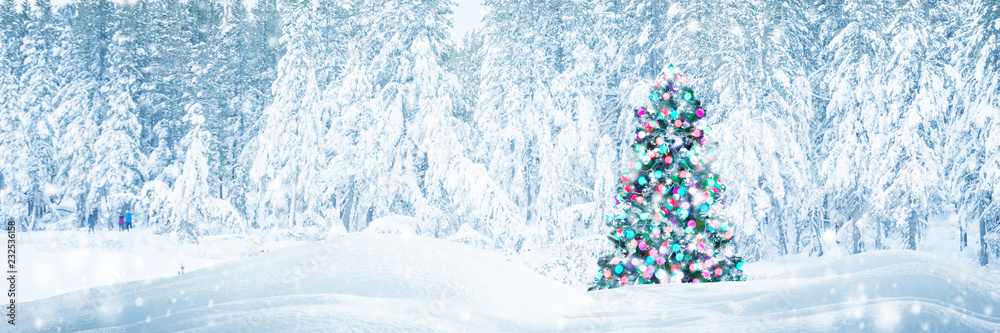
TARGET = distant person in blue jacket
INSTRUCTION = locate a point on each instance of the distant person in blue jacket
(128, 220)
(90, 222)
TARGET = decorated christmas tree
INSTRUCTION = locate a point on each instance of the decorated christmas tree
(666, 226)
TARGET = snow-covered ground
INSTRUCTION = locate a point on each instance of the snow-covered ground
(57, 262)
(405, 282)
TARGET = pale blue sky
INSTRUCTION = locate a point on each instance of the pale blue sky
(468, 14)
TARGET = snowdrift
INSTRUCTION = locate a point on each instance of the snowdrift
(885, 291)
(386, 282)
(370, 282)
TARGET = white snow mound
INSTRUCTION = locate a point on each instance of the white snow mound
(385, 282)
(359, 282)
(883, 291)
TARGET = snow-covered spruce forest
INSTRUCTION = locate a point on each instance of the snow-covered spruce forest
(845, 126)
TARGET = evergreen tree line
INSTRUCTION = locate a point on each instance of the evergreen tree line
(844, 126)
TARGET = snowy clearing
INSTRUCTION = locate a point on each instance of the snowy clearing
(57, 262)
(380, 282)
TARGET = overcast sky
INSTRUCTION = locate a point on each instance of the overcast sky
(468, 14)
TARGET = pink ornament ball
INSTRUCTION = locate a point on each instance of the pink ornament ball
(642, 245)
(607, 273)
(729, 234)
(666, 96)
(696, 133)
(668, 159)
(718, 272)
(693, 267)
(661, 260)
(641, 112)
(661, 188)
(677, 123)
(639, 199)
(700, 112)
(624, 279)
(691, 223)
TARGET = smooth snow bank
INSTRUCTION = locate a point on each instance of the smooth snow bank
(387, 282)
(398, 224)
(891, 291)
(57, 262)
(370, 282)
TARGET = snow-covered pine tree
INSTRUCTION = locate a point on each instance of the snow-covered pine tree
(286, 176)
(75, 120)
(254, 94)
(38, 85)
(906, 130)
(853, 54)
(577, 93)
(195, 210)
(119, 168)
(973, 136)
(14, 182)
(410, 148)
(667, 226)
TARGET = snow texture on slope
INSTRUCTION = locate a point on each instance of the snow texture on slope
(379, 282)
(358, 282)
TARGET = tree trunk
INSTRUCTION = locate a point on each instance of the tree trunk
(348, 204)
(857, 236)
(961, 236)
(982, 242)
(913, 230)
(781, 235)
